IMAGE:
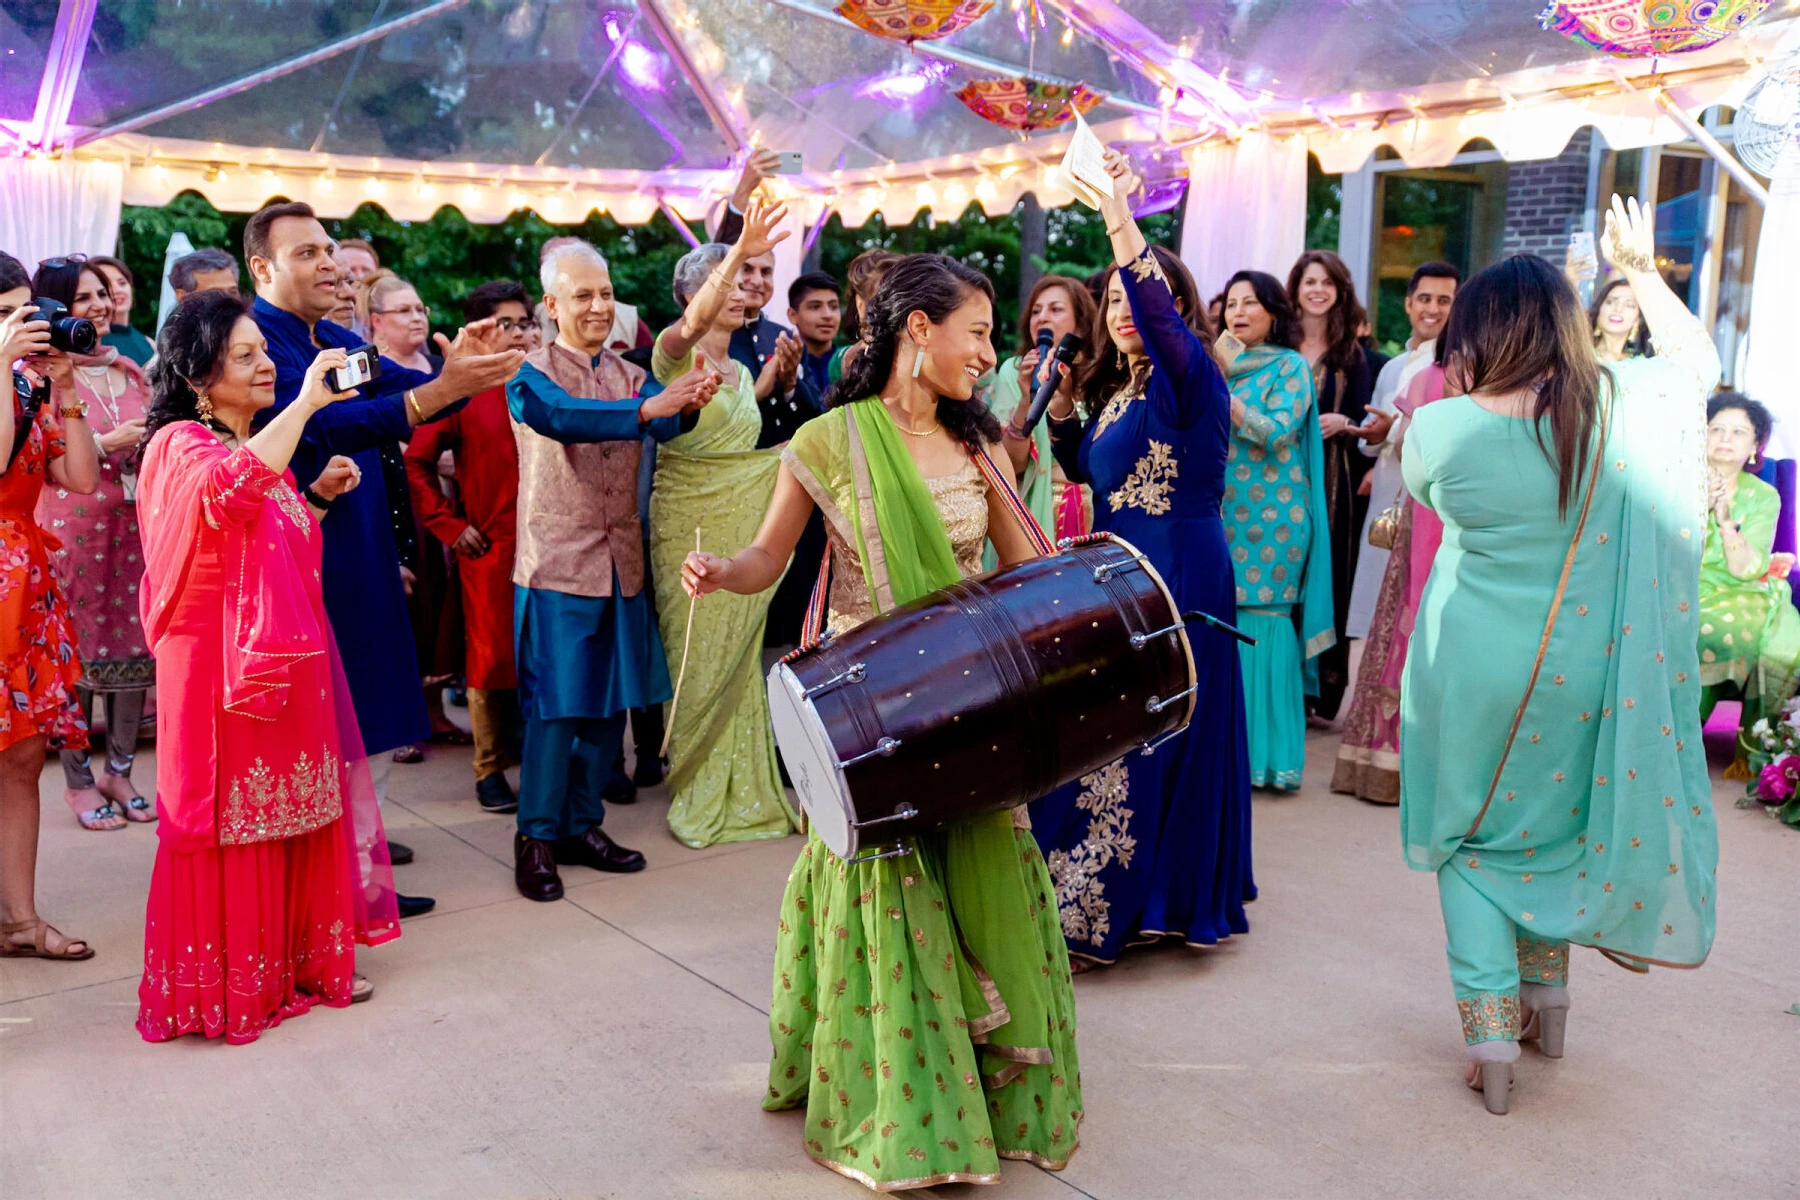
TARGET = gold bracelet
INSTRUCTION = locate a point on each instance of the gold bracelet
(71, 411)
(412, 402)
(1114, 230)
(719, 279)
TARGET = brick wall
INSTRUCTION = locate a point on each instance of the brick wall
(1545, 199)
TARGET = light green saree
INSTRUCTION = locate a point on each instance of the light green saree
(922, 1005)
(723, 783)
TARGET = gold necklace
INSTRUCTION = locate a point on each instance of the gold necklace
(907, 429)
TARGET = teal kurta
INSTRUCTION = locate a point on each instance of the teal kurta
(1569, 794)
(1274, 510)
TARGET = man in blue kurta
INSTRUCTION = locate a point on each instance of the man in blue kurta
(290, 258)
(587, 642)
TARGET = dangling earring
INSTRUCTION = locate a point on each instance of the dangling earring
(918, 361)
(203, 405)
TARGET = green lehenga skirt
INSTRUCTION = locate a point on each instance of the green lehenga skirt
(923, 1010)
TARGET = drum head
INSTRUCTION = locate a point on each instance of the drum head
(812, 762)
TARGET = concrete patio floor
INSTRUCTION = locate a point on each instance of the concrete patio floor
(614, 1044)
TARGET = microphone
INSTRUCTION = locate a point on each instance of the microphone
(1065, 354)
(1045, 338)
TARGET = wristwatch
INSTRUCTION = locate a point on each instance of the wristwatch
(76, 409)
(313, 498)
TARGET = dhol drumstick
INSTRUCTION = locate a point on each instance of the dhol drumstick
(681, 674)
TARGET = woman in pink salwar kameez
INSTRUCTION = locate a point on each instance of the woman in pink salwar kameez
(272, 865)
(1368, 762)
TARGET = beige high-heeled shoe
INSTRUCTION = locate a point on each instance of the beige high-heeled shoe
(1548, 1019)
(1494, 1081)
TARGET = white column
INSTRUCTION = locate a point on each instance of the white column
(1356, 226)
(1774, 310)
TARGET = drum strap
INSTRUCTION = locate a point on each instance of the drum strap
(812, 626)
(1014, 505)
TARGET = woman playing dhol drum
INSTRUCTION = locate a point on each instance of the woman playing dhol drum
(922, 1008)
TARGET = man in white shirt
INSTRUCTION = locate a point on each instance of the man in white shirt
(1429, 294)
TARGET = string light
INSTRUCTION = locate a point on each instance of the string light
(1068, 35)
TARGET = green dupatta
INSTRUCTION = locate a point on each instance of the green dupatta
(851, 460)
(1315, 616)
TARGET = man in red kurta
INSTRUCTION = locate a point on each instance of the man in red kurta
(482, 535)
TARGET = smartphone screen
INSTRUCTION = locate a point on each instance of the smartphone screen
(364, 366)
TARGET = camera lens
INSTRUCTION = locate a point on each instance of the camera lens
(71, 335)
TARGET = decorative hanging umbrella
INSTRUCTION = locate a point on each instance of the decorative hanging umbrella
(1640, 28)
(913, 20)
(1027, 104)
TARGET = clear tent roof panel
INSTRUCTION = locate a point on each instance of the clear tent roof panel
(591, 83)
(484, 83)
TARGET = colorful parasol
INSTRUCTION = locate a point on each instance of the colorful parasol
(1640, 28)
(1027, 104)
(913, 20)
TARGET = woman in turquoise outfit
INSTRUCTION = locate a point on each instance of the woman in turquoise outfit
(922, 1008)
(1551, 770)
(1274, 510)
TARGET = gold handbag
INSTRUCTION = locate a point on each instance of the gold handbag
(1386, 527)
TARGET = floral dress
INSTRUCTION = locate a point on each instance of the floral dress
(40, 663)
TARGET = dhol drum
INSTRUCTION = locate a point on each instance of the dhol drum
(984, 695)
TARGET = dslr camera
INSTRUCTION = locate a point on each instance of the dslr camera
(71, 335)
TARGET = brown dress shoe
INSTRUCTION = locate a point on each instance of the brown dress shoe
(534, 868)
(594, 849)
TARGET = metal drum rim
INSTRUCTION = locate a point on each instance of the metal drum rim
(1187, 646)
(810, 711)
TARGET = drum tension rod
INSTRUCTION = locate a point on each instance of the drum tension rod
(1156, 704)
(1140, 640)
(905, 812)
(1104, 571)
(1148, 747)
(853, 675)
(886, 746)
(898, 850)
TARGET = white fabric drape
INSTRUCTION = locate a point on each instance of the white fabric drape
(1246, 209)
(50, 207)
(1774, 310)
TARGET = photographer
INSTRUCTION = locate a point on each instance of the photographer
(100, 562)
(37, 641)
(290, 258)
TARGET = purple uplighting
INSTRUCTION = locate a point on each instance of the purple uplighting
(639, 64)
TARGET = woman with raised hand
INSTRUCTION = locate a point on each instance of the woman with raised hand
(1156, 845)
(1551, 770)
(923, 1011)
(272, 864)
(712, 482)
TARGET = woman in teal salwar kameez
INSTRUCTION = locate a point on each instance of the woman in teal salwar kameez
(1275, 523)
(923, 1010)
(1551, 769)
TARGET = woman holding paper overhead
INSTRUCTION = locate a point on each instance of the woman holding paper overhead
(1156, 845)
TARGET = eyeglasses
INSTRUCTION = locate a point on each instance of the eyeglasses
(508, 324)
(411, 310)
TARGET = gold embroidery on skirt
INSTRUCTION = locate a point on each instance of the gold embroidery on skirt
(262, 807)
(1080, 896)
(1149, 485)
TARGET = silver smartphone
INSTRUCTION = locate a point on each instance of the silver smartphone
(790, 162)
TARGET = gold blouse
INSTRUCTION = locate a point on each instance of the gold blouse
(961, 499)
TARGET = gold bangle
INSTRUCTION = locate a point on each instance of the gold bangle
(412, 402)
(1114, 230)
(719, 279)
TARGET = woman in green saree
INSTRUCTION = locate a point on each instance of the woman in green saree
(712, 483)
(1551, 770)
(1749, 627)
(923, 1011)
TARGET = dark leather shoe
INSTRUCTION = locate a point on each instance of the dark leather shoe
(594, 849)
(649, 772)
(399, 855)
(534, 868)
(620, 789)
(412, 906)
(495, 795)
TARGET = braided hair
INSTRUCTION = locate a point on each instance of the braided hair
(190, 353)
(937, 286)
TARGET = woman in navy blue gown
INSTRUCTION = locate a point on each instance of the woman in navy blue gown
(1156, 845)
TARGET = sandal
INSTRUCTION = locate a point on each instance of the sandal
(39, 945)
(360, 989)
(134, 806)
(102, 816)
(1494, 1080)
(409, 754)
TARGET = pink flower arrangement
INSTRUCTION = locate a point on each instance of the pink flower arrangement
(1776, 782)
